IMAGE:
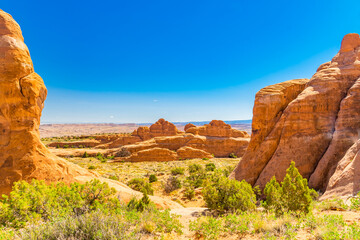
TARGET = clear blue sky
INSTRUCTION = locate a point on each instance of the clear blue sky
(137, 61)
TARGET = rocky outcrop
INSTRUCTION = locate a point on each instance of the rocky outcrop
(155, 154)
(189, 125)
(22, 155)
(190, 153)
(158, 129)
(216, 128)
(120, 141)
(22, 91)
(220, 147)
(314, 123)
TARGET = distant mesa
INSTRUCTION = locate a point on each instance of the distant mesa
(315, 123)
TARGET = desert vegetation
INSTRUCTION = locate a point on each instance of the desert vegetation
(284, 210)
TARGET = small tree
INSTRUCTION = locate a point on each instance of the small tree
(152, 178)
(140, 185)
(226, 194)
(172, 184)
(291, 195)
(85, 155)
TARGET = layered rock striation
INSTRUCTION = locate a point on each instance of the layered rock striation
(189, 146)
(315, 123)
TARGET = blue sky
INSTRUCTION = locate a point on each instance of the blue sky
(137, 61)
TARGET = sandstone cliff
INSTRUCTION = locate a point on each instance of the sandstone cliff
(315, 123)
(22, 155)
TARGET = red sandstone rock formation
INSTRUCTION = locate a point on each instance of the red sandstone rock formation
(220, 147)
(155, 154)
(315, 123)
(216, 128)
(190, 153)
(189, 125)
(22, 155)
(159, 129)
(22, 91)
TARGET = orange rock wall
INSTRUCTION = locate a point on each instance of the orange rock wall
(316, 125)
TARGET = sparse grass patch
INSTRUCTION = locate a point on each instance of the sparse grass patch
(332, 204)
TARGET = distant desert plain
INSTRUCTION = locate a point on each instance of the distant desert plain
(79, 129)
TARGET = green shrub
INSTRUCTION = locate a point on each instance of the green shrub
(114, 177)
(85, 155)
(232, 155)
(355, 202)
(205, 158)
(139, 205)
(193, 168)
(177, 171)
(172, 184)
(91, 167)
(225, 194)
(292, 195)
(152, 178)
(210, 167)
(103, 225)
(141, 185)
(197, 176)
(227, 170)
(100, 157)
(189, 192)
(39, 201)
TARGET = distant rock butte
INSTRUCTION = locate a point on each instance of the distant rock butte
(315, 123)
(216, 128)
(159, 129)
(22, 91)
(189, 125)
